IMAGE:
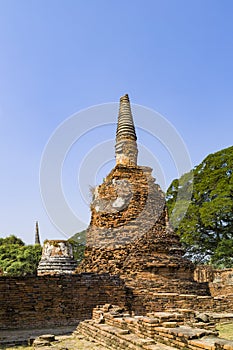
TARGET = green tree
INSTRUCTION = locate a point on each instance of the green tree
(78, 241)
(18, 259)
(206, 230)
(11, 240)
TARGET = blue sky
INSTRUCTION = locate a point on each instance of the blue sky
(60, 57)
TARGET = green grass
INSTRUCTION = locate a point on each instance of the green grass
(225, 330)
(19, 348)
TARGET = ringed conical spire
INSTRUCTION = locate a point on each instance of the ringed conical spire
(37, 235)
(126, 146)
(125, 125)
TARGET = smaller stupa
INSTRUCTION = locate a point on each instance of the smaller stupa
(57, 258)
(37, 234)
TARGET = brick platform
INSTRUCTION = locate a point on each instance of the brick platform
(114, 328)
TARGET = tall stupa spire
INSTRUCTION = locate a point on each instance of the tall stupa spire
(37, 235)
(126, 145)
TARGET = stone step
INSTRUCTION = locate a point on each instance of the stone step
(121, 331)
(186, 332)
(211, 343)
(207, 343)
(117, 338)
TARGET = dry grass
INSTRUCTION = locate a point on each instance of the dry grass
(226, 331)
(19, 348)
(74, 343)
(71, 343)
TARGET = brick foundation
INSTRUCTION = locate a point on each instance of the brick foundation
(53, 301)
(117, 329)
(50, 301)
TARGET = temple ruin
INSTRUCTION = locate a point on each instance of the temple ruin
(129, 233)
(134, 289)
(57, 258)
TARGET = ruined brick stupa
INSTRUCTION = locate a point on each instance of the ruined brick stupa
(57, 258)
(129, 233)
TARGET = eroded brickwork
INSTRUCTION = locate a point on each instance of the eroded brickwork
(129, 230)
(57, 258)
(115, 328)
(220, 281)
(144, 302)
(50, 301)
(129, 233)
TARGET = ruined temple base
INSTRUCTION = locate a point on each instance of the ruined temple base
(115, 328)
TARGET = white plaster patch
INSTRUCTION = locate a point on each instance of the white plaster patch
(118, 203)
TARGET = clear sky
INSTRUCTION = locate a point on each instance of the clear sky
(59, 57)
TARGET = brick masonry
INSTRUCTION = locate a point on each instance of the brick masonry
(115, 328)
(129, 230)
(220, 281)
(50, 301)
(133, 258)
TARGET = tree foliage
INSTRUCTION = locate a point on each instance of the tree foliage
(78, 241)
(206, 230)
(18, 259)
(11, 240)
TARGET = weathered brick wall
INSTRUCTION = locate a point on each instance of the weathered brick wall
(50, 301)
(204, 273)
(143, 303)
(220, 281)
(33, 302)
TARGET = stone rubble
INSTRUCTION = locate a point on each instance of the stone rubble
(162, 330)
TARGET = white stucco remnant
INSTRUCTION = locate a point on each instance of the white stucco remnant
(118, 203)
